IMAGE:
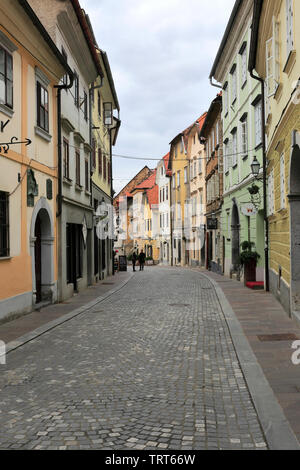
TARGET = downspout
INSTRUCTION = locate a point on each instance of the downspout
(264, 179)
(214, 84)
(59, 146)
(171, 216)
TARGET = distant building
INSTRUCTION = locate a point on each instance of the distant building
(163, 180)
(213, 135)
(196, 156)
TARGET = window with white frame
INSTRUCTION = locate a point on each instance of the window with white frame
(226, 162)
(282, 182)
(244, 64)
(289, 27)
(233, 73)
(200, 163)
(271, 199)
(244, 137)
(258, 123)
(191, 171)
(234, 147)
(174, 181)
(225, 98)
(185, 174)
(178, 179)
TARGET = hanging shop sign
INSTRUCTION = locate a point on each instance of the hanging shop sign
(249, 209)
(212, 224)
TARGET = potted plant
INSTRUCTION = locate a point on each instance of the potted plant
(248, 259)
(149, 260)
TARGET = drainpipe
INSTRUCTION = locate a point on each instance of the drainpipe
(214, 84)
(59, 146)
(264, 179)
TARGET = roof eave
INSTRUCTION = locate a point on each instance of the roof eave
(231, 21)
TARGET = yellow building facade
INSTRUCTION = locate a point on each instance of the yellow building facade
(31, 67)
(105, 128)
(276, 59)
(180, 196)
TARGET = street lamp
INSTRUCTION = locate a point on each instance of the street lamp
(255, 167)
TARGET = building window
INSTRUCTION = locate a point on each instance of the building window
(174, 181)
(6, 78)
(99, 104)
(85, 105)
(271, 199)
(42, 107)
(4, 224)
(282, 182)
(233, 83)
(178, 179)
(76, 89)
(77, 157)
(243, 53)
(258, 123)
(225, 100)
(234, 148)
(86, 174)
(104, 167)
(185, 174)
(66, 159)
(289, 27)
(94, 152)
(99, 161)
(200, 163)
(244, 138)
(167, 193)
(65, 56)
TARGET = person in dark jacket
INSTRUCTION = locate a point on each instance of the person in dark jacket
(134, 258)
(142, 258)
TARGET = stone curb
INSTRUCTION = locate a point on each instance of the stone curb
(278, 432)
(59, 321)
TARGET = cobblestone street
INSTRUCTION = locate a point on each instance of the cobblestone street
(151, 367)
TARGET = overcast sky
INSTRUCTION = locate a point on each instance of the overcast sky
(161, 53)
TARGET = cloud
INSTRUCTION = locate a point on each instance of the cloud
(161, 53)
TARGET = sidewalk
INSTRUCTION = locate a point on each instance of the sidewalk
(261, 316)
(12, 330)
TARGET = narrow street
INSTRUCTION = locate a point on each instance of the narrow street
(151, 367)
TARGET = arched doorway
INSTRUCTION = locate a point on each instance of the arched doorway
(235, 236)
(42, 255)
(294, 200)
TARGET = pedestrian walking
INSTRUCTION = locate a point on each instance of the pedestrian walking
(134, 258)
(142, 258)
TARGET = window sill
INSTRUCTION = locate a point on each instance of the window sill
(234, 166)
(78, 188)
(244, 157)
(258, 147)
(6, 110)
(42, 133)
(291, 60)
(88, 193)
(5, 258)
(244, 84)
(67, 181)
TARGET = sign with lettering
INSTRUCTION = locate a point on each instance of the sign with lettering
(212, 224)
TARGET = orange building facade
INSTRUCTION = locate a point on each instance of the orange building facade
(31, 67)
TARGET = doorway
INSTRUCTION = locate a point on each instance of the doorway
(235, 236)
(294, 201)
